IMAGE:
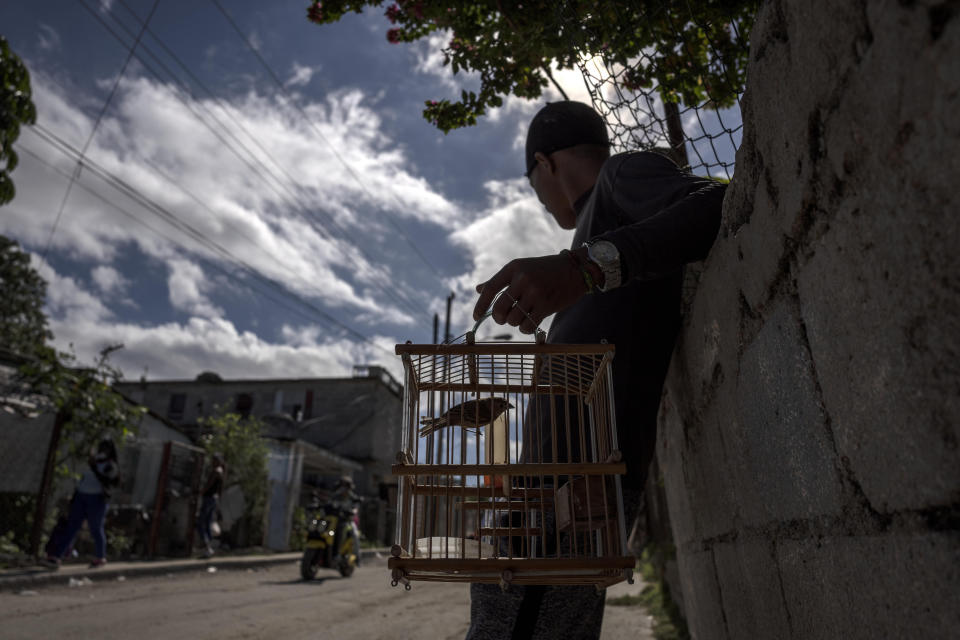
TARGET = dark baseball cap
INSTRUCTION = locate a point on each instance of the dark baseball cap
(561, 125)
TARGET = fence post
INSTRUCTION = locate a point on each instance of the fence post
(678, 138)
(158, 499)
(195, 483)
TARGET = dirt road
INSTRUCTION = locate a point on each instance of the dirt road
(268, 603)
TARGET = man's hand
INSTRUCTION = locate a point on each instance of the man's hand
(536, 288)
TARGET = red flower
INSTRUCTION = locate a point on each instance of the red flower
(315, 12)
(393, 36)
(393, 13)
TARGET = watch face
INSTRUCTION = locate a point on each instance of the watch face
(604, 251)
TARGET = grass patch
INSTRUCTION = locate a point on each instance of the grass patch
(668, 624)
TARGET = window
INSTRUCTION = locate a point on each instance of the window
(178, 402)
(244, 404)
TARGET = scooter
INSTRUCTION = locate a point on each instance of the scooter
(321, 537)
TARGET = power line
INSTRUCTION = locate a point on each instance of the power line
(293, 102)
(96, 125)
(330, 220)
(297, 204)
(267, 285)
(198, 236)
(264, 292)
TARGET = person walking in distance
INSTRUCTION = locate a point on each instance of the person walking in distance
(210, 500)
(89, 504)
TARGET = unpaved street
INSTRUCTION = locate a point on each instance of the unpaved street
(268, 603)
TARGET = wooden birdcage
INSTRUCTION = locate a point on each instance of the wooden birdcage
(510, 471)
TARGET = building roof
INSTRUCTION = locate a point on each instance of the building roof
(360, 372)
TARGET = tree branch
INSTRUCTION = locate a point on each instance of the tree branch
(546, 68)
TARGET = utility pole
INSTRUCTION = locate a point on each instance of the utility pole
(446, 361)
(432, 396)
(444, 434)
(446, 331)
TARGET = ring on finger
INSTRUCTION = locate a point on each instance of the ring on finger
(529, 317)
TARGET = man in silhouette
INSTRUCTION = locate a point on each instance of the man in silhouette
(638, 218)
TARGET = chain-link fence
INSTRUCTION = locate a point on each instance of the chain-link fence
(668, 76)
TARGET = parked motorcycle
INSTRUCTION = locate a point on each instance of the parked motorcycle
(322, 536)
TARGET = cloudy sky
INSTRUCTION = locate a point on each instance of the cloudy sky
(262, 204)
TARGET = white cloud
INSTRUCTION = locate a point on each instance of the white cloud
(299, 220)
(181, 350)
(188, 286)
(514, 225)
(109, 280)
(67, 298)
(48, 38)
(294, 232)
(429, 60)
(301, 75)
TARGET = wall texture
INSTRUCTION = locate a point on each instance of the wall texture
(809, 430)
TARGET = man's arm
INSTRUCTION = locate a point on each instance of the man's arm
(678, 234)
(538, 287)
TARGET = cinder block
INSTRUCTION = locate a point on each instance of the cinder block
(710, 487)
(879, 291)
(883, 322)
(691, 451)
(893, 586)
(750, 587)
(670, 445)
(781, 456)
(701, 595)
(709, 338)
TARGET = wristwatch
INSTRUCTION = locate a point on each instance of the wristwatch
(604, 254)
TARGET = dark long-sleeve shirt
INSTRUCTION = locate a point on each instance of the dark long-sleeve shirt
(660, 218)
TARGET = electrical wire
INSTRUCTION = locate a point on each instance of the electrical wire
(391, 291)
(93, 132)
(197, 235)
(276, 79)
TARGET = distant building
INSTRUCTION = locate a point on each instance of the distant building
(319, 429)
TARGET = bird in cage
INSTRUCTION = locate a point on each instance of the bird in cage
(472, 414)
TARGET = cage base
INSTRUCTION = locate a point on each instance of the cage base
(600, 572)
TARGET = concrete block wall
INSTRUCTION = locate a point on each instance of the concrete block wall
(809, 430)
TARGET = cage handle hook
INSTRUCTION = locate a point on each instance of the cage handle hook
(540, 335)
(398, 577)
